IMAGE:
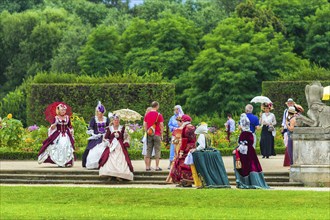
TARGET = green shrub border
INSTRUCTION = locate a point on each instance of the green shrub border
(83, 98)
(134, 154)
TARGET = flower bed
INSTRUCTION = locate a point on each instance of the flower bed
(19, 143)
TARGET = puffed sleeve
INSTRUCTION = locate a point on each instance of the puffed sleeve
(91, 124)
(107, 134)
(201, 142)
(274, 120)
(172, 124)
(69, 123)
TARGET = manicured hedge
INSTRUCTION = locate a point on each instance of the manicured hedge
(84, 97)
(280, 91)
(21, 155)
(134, 154)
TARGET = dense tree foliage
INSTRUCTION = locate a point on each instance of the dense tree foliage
(102, 52)
(18, 5)
(217, 52)
(166, 45)
(318, 37)
(236, 59)
(29, 41)
(293, 14)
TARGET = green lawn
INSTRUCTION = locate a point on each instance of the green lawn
(121, 203)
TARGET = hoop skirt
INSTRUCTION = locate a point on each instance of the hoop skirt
(250, 176)
(210, 168)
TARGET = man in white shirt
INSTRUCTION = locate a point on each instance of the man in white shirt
(289, 103)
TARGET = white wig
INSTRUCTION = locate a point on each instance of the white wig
(244, 122)
(180, 113)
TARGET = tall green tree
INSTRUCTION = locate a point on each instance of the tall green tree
(318, 37)
(262, 17)
(235, 60)
(15, 28)
(19, 5)
(152, 9)
(293, 14)
(168, 44)
(117, 18)
(89, 12)
(69, 49)
(30, 40)
(102, 53)
(205, 14)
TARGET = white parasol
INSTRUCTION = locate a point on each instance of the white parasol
(261, 99)
(128, 114)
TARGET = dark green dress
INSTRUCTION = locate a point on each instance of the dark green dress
(210, 167)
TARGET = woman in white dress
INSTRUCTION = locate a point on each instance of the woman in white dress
(58, 148)
(115, 161)
(268, 122)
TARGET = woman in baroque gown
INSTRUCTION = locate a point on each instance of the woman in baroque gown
(207, 164)
(96, 146)
(115, 161)
(180, 172)
(176, 141)
(58, 148)
(173, 125)
(249, 175)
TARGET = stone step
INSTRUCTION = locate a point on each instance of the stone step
(82, 172)
(268, 178)
(96, 177)
(286, 184)
(113, 182)
(67, 176)
(51, 172)
(91, 182)
(72, 177)
(96, 172)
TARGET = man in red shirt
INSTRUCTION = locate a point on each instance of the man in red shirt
(154, 141)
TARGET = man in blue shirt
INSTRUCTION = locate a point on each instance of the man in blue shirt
(230, 126)
(254, 122)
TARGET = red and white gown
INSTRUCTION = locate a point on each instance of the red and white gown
(115, 160)
(180, 171)
(58, 148)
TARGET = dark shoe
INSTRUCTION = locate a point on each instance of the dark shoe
(158, 169)
(148, 169)
(263, 156)
(267, 157)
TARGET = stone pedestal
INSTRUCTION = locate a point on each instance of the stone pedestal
(311, 156)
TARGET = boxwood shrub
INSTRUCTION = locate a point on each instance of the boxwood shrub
(84, 97)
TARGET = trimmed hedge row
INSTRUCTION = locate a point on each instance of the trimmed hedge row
(134, 154)
(22, 155)
(280, 91)
(84, 97)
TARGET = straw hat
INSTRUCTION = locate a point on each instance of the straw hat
(290, 100)
(267, 105)
(292, 110)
